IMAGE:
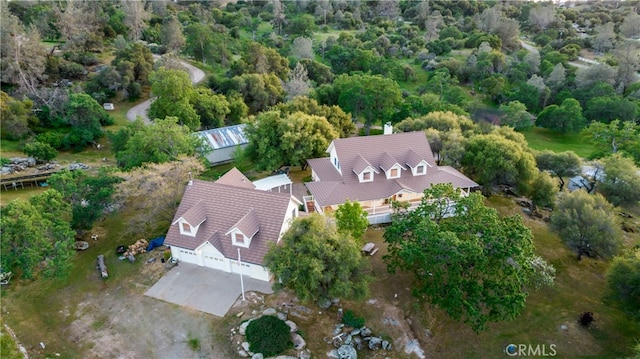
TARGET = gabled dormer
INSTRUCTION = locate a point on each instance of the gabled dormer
(190, 221)
(391, 167)
(364, 170)
(417, 164)
(243, 231)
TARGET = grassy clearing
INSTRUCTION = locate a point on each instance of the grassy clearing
(41, 310)
(8, 347)
(544, 139)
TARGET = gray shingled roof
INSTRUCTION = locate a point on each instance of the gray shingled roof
(226, 206)
(247, 225)
(406, 148)
(322, 165)
(387, 161)
(195, 215)
(234, 177)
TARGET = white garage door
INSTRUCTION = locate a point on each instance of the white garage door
(211, 260)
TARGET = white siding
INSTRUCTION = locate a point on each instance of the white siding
(223, 155)
(292, 212)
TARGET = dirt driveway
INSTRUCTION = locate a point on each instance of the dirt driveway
(121, 322)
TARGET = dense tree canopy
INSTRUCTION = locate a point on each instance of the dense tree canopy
(277, 139)
(162, 141)
(474, 265)
(173, 90)
(493, 159)
(374, 98)
(88, 194)
(565, 118)
(36, 236)
(316, 261)
(352, 218)
(340, 120)
(615, 136)
(621, 182)
(587, 224)
(623, 278)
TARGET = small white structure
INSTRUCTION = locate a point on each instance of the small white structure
(108, 106)
(224, 141)
(279, 183)
(578, 182)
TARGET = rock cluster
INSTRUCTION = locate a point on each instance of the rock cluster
(18, 164)
(348, 341)
(299, 343)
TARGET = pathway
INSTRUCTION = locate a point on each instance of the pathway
(196, 75)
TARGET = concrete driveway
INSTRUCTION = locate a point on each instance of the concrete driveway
(204, 289)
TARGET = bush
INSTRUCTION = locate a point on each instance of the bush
(54, 138)
(352, 320)
(41, 151)
(268, 335)
(71, 70)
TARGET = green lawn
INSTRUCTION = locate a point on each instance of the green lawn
(544, 139)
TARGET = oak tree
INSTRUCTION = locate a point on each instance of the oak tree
(317, 261)
(587, 224)
(465, 258)
(562, 164)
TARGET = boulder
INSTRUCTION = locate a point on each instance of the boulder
(269, 311)
(365, 332)
(347, 352)
(338, 329)
(243, 354)
(324, 303)
(298, 341)
(386, 345)
(281, 316)
(357, 343)
(305, 354)
(293, 327)
(348, 339)
(355, 332)
(257, 356)
(243, 327)
(375, 343)
(245, 346)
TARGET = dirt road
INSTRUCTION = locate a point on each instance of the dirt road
(196, 75)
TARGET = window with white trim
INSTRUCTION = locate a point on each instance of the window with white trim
(394, 173)
(420, 170)
(239, 238)
(367, 176)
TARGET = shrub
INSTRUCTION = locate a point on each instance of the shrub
(41, 151)
(54, 138)
(268, 335)
(352, 320)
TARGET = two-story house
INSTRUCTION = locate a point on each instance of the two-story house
(374, 170)
(217, 221)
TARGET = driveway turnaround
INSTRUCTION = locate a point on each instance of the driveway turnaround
(204, 289)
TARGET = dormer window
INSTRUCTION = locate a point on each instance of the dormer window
(239, 238)
(395, 173)
(367, 176)
(186, 228)
(420, 170)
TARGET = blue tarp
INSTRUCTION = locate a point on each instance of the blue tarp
(156, 242)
